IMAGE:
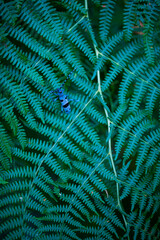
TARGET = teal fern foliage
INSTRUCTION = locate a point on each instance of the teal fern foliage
(93, 174)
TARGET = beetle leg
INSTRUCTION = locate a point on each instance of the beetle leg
(55, 99)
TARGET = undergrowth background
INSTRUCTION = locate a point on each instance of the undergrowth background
(92, 174)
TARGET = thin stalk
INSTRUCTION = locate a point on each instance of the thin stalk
(109, 129)
(109, 142)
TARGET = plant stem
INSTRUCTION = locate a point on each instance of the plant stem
(109, 128)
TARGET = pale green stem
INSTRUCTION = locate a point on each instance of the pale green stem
(109, 141)
(76, 24)
(109, 127)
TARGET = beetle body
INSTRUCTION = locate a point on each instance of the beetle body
(59, 92)
(64, 100)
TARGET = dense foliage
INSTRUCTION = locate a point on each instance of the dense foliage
(93, 174)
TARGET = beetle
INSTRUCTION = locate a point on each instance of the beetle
(63, 99)
(59, 92)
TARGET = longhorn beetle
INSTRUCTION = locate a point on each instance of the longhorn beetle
(62, 97)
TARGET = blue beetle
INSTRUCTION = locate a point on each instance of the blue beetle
(62, 97)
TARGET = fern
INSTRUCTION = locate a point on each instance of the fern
(93, 173)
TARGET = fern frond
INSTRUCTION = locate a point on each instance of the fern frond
(125, 128)
(20, 34)
(130, 184)
(137, 67)
(106, 13)
(137, 134)
(20, 60)
(129, 17)
(8, 12)
(118, 114)
(151, 16)
(74, 8)
(148, 150)
(5, 142)
(148, 43)
(78, 39)
(156, 180)
(21, 136)
(51, 30)
(4, 160)
(106, 49)
(14, 90)
(109, 212)
(152, 96)
(87, 26)
(35, 104)
(7, 113)
(119, 61)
